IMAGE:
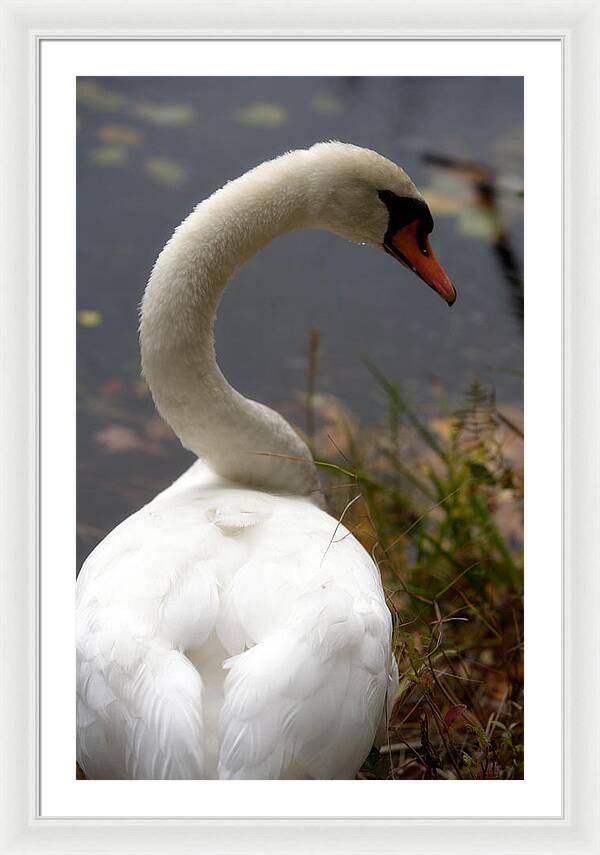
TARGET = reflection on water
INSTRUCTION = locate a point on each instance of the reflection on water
(150, 148)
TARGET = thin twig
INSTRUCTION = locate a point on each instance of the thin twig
(339, 522)
(455, 580)
(338, 449)
(422, 517)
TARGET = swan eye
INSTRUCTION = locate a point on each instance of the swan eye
(422, 241)
(386, 197)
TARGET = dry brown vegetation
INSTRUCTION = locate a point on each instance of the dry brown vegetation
(438, 503)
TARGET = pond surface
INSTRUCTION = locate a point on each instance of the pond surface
(150, 148)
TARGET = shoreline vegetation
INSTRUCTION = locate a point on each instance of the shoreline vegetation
(438, 503)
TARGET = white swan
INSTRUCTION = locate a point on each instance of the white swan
(222, 631)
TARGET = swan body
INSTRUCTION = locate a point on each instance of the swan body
(231, 628)
(225, 638)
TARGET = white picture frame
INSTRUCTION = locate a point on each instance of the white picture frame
(23, 25)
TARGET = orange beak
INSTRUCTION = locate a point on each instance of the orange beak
(411, 246)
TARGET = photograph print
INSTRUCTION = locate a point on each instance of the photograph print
(300, 428)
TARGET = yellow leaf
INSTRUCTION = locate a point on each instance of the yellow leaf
(89, 317)
(119, 135)
(167, 115)
(327, 103)
(98, 97)
(262, 113)
(165, 171)
(109, 155)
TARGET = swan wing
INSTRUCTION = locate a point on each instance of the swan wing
(306, 701)
(139, 714)
(145, 596)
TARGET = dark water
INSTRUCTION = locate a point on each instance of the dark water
(150, 148)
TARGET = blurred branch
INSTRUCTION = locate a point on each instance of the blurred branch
(485, 184)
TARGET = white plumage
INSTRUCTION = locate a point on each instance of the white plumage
(222, 634)
(231, 628)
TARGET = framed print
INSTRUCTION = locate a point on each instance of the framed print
(238, 686)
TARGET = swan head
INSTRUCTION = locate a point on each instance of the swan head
(368, 199)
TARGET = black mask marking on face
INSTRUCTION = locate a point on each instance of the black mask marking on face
(404, 210)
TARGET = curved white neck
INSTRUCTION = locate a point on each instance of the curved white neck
(241, 440)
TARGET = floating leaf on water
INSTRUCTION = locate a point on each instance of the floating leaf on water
(119, 135)
(165, 171)
(165, 115)
(98, 97)
(327, 103)
(262, 113)
(109, 155)
(89, 317)
(119, 438)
